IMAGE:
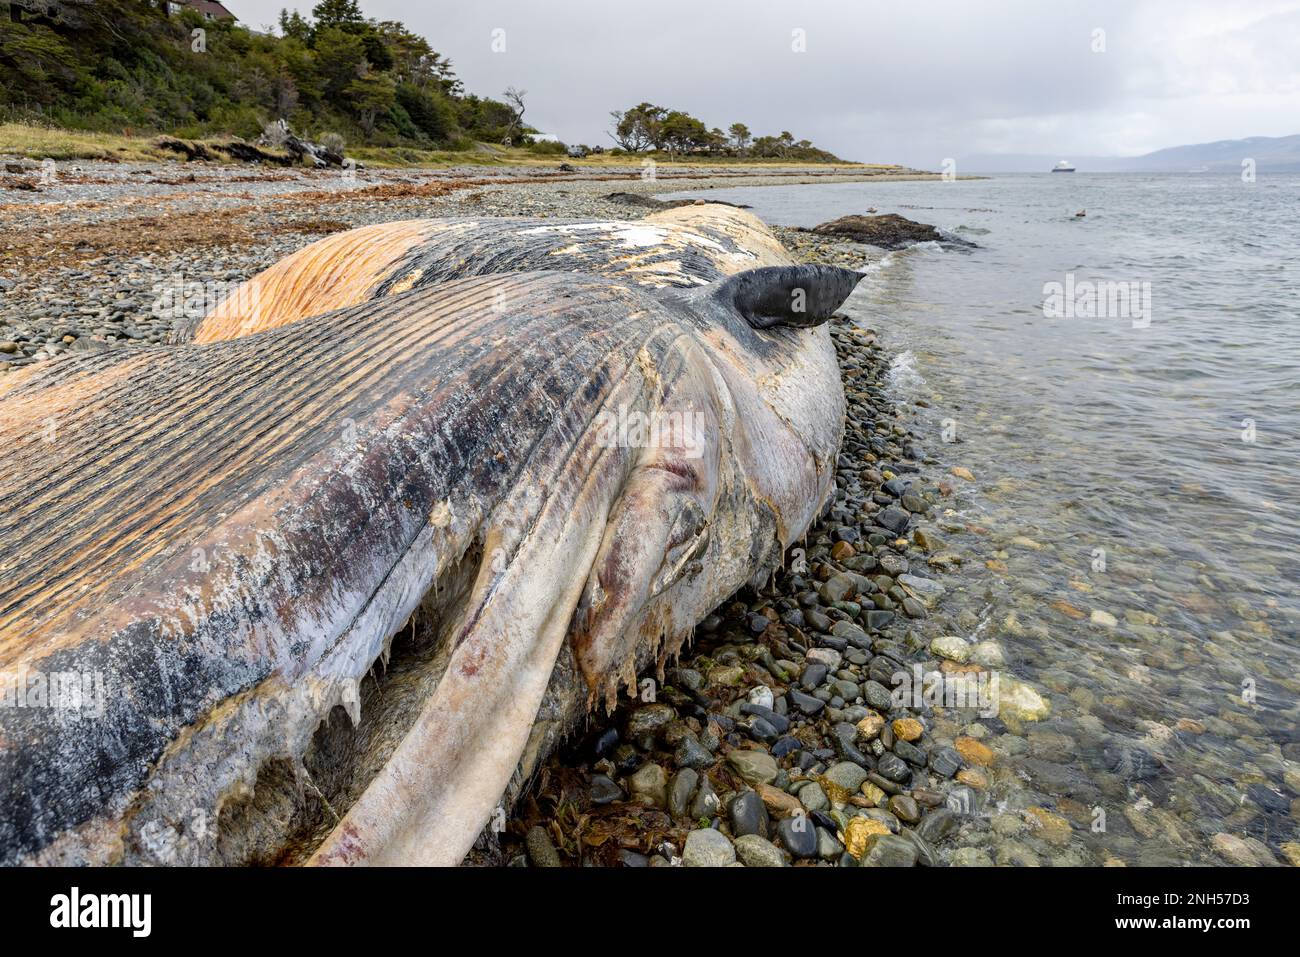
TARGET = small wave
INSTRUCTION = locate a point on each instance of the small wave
(879, 265)
(934, 243)
(903, 374)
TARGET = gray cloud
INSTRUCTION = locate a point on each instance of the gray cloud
(909, 82)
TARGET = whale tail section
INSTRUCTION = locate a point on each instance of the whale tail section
(798, 296)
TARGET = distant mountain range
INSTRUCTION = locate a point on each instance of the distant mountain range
(1272, 154)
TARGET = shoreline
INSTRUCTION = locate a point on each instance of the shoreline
(90, 260)
(966, 804)
(774, 739)
(789, 732)
(846, 610)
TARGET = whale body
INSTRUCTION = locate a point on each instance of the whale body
(226, 541)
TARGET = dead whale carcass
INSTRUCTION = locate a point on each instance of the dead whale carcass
(229, 536)
(680, 247)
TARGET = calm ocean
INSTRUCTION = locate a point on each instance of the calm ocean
(1133, 535)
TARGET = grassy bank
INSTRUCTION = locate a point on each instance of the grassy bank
(41, 142)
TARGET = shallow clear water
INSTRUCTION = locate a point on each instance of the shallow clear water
(1139, 465)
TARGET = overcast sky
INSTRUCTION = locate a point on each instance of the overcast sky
(911, 82)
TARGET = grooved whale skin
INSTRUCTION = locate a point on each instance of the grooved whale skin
(681, 247)
(229, 532)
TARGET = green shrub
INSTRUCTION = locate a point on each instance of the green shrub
(547, 149)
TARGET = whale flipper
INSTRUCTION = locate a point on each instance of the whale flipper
(799, 296)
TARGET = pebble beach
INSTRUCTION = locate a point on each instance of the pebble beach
(854, 711)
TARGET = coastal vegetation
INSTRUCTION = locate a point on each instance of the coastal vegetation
(123, 66)
(646, 127)
(138, 68)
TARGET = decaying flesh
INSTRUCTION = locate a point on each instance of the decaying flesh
(232, 533)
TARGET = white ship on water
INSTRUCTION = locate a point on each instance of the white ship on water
(1063, 167)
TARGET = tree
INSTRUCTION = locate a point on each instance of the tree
(284, 94)
(370, 96)
(740, 135)
(340, 58)
(430, 111)
(295, 25)
(681, 133)
(484, 118)
(515, 99)
(637, 129)
(335, 13)
(413, 60)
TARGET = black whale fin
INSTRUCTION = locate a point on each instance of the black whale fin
(799, 296)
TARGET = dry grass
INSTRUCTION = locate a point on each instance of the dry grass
(42, 142)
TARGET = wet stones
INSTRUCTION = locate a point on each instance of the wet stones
(893, 768)
(904, 808)
(828, 657)
(811, 679)
(1019, 701)
(883, 671)
(889, 850)
(754, 767)
(913, 503)
(690, 753)
(869, 728)
(753, 850)
(644, 724)
(894, 519)
(1243, 851)
(879, 619)
(779, 723)
(706, 847)
(951, 647)
(747, 814)
(893, 565)
(945, 762)
(971, 857)
(604, 791)
(649, 785)
(846, 775)
(851, 634)
(541, 850)
(938, 824)
(798, 835)
(680, 790)
(1130, 763)
(817, 620)
(877, 696)
(805, 704)
(838, 587)
(813, 798)
(973, 751)
(910, 753)
(706, 802)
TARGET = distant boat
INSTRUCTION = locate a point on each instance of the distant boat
(1063, 167)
